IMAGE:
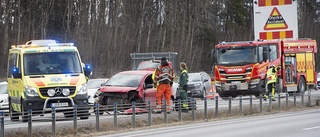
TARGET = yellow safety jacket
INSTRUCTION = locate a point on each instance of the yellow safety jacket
(153, 75)
(271, 76)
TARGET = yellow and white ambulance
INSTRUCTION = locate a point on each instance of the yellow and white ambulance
(42, 74)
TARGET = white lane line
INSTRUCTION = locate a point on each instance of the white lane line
(311, 128)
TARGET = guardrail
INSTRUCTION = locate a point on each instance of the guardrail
(198, 110)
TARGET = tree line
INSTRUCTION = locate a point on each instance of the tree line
(107, 31)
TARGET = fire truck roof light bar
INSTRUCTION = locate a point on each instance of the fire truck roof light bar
(238, 42)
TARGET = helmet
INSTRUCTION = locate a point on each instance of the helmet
(163, 59)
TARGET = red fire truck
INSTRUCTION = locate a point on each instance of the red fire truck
(240, 67)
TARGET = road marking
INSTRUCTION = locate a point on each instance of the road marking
(311, 128)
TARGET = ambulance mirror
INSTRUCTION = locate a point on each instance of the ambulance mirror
(87, 70)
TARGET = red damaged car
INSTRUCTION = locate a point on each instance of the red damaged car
(125, 87)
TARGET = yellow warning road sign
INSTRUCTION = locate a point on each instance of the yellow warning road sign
(275, 21)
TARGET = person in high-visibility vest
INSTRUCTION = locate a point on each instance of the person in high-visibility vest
(183, 86)
(162, 80)
(271, 82)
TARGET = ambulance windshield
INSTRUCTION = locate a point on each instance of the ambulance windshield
(51, 63)
(241, 55)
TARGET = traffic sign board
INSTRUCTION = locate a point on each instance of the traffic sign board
(262, 3)
(275, 21)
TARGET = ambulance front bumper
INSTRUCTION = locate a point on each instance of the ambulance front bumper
(59, 103)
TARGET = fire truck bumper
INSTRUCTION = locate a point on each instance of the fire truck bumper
(228, 89)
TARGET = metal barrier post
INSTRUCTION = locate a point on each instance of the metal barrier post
(216, 112)
(260, 97)
(97, 117)
(279, 101)
(287, 99)
(149, 114)
(133, 114)
(205, 109)
(165, 120)
(230, 103)
(30, 123)
(2, 123)
(115, 117)
(302, 100)
(240, 104)
(179, 111)
(309, 97)
(193, 108)
(75, 122)
(250, 104)
(53, 110)
(270, 102)
(295, 99)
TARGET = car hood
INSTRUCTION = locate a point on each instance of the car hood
(116, 89)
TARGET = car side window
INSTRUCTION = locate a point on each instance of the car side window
(273, 52)
(13, 57)
(207, 77)
(148, 80)
(203, 77)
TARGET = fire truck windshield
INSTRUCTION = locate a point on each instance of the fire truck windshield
(237, 55)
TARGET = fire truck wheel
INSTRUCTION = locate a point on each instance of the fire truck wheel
(302, 86)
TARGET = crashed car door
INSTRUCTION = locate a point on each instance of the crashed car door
(149, 91)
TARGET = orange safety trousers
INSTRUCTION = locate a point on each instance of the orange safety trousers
(163, 89)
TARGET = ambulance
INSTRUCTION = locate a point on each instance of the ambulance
(45, 74)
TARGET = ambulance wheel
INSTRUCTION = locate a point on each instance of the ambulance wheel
(84, 115)
(302, 86)
(68, 114)
(14, 116)
(24, 113)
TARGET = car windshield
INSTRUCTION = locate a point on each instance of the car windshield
(194, 77)
(237, 55)
(51, 63)
(318, 75)
(94, 83)
(147, 65)
(3, 89)
(125, 80)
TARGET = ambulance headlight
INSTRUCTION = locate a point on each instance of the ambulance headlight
(82, 89)
(31, 91)
(66, 92)
(51, 92)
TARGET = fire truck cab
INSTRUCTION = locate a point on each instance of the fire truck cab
(240, 67)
